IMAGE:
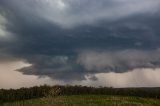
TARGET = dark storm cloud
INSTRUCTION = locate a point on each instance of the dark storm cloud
(119, 61)
(67, 40)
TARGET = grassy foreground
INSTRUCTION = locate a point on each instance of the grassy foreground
(88, 100)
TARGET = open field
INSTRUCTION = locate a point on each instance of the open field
(88, 100)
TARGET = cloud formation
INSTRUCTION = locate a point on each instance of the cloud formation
(4, 33)
(90, 63)
(134, 78)
(70, 39)
(69, 13)
(76, 12)
(119, 61)
(12, 79)
(58, 67)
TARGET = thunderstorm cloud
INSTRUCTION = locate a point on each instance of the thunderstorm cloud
(71, 39)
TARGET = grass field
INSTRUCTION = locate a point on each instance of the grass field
(88, 100)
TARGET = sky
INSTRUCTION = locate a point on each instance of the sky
(112, 43)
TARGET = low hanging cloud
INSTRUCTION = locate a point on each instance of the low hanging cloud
(92, 62)
(55, 67)
(136, 78)
(119, 61)
(71, 39)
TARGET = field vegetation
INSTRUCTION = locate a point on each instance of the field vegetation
(80, 96)
(88, 100)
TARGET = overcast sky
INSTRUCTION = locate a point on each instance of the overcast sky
(88, 42)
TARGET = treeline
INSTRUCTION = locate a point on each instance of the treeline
(23, 93)
(42, 91)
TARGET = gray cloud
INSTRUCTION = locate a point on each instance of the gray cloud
(119, 61)
(90, 63)
(55, 67)
(4, 33)
(67, 40)
(135, 78)
(68, 13)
